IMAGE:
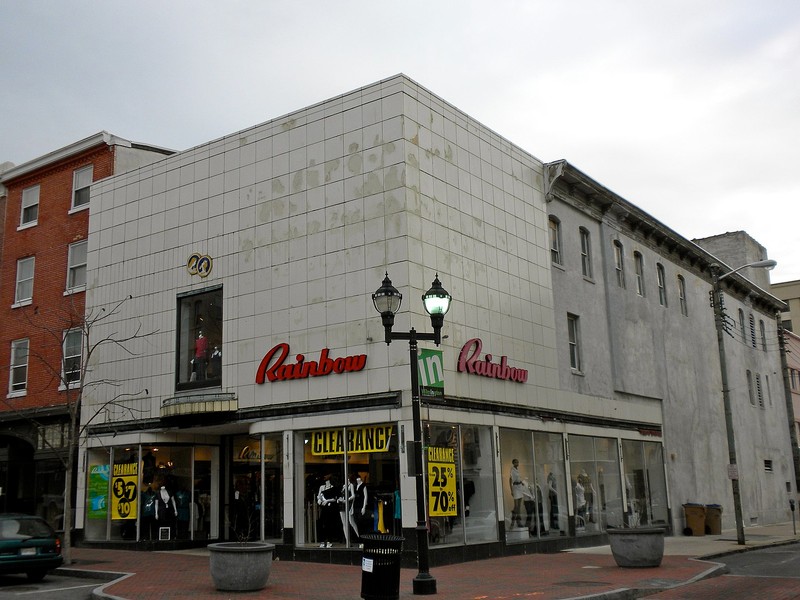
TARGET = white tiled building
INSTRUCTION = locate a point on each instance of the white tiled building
(270, 242)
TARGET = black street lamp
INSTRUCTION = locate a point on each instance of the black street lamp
(436, 301)
(719, 321)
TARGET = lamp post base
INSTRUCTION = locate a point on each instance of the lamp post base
(424, 584)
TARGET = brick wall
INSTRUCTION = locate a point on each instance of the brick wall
(51, 311)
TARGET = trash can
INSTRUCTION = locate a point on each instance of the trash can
(713, 519)
(695, 519)
(380, 566)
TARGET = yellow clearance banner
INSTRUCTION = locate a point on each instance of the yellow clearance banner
(360, 440)
(123, 491)
(442, 482)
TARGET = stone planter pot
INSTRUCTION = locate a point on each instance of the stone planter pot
(637, 547)
(240, 566)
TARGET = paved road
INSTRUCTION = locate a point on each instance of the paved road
(53, 587)
(772, 573)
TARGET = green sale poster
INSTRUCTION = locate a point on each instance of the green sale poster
(98, 491)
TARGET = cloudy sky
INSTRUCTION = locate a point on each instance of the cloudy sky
(688, 108)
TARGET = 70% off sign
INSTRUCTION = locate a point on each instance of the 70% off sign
(442, 482)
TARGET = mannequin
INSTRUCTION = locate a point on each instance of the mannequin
(200, 352)
(148, 512)
(166, 511)
(346, 516)
(359, 508)
(580, 500)
(326, 498)
(517, 493)
(552, 492)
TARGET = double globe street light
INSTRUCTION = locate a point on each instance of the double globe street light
(436, 300)
(719, 320)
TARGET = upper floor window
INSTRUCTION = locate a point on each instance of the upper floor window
(742, 326)
(554, 227)
(29, 214)
(763, 335)
(18, 381)
(619, 263)
(662, 285)
(750, 387)
(199, 353)
(752, 330)
(24, 290)
(76, 265)
(759, 391)
(73, 349)
(81, 180)
(586, 252)
(638, 261)
(573, 332)
(682, 296)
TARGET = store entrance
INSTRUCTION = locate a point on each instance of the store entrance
(255, 510)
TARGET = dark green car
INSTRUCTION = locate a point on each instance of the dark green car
(28, 545)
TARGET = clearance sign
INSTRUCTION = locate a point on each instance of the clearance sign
(359, 440)
(123, 491)
(442, 482)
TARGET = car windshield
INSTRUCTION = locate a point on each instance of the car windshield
(23, 529)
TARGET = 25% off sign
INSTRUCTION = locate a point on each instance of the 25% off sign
(442, 482)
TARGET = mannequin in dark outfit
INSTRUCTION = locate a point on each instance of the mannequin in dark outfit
(166, 511)
(360, 504)
(329, 513)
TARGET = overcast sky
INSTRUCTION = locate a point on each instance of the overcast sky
(690, 109)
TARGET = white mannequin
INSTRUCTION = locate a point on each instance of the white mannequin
(348, 495)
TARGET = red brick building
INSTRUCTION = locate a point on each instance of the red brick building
(43, 275)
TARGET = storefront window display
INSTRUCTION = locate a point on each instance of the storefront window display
(645, 483)
(255, 460)
(597, 491)
(199, 353)
(460, 483)
(154, 498)
(350, 485)
(533, 484)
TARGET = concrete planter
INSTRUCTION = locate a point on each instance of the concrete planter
(637, 547)
(240, 567)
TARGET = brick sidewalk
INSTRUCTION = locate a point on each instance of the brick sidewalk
(179, 576)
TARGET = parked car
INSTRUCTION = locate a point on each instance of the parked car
(28, 545)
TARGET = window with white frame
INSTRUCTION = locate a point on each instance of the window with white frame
(619, 263)
(76, 265)
(682, 296)
(29, 213)
(573, 332)
(638, 261)
(554, 227)
(586, 252)
(23, 293)
(18, 381)
(662, 284)
(81, 180)
(73, 347)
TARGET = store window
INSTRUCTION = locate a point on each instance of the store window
(596, 487)
(351, 485)
(645, 483)
(458, 466)
(533, 494)
(152, 493)
(199, 352)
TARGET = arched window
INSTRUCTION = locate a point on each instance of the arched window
(662, 285)
(619, 263)
(638, 261)
(682, 295)
(586, 252)
(554, 227)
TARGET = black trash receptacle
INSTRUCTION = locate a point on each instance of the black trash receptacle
(380, 566)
